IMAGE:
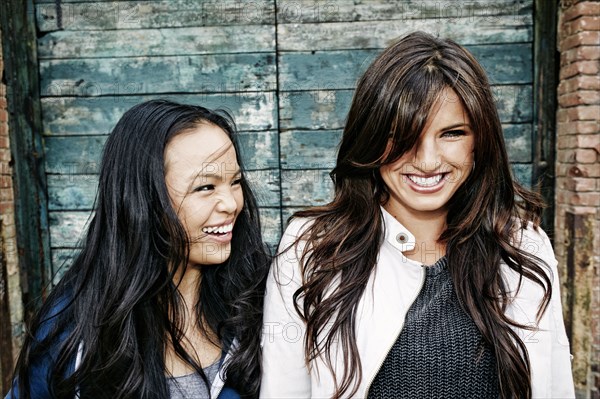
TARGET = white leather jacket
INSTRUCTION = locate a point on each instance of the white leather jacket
(391, 290)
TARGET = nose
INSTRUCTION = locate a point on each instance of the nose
(227, 201)
(426, 154)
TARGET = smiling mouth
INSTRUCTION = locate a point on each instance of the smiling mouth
(218, 230)
(429, 181)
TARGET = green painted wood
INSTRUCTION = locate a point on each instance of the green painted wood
(212, 73)
(523, 173)
(157, 42)
(379, 34)
(310, 11)
(19, 58)
(74, 155)
(82, 154)
(309, 149)
(69, 192)
(259, 150)
(305, 187)
(321, 109)
(518, 142)
(327, 109)
(97, 115)
(331, 70)
(105, 15)
(67, 228)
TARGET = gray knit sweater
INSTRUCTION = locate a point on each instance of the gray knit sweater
(440, 352)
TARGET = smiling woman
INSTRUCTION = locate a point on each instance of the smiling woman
(165, 298)
(204, 182)
(427, 275)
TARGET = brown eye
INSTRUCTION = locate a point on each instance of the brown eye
(453, 133)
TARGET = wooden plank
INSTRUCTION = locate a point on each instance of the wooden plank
(212, 73)
(522, 172)
(157, 42)
(309, 149)
(82, 154)
(545, 83)
(106, 15)
(71, 192)
(68, 192)
(331, 70)
(327, 109)
(312, 11)
(20, 75)
(74, 155)
(321, 109)
(518, 142)
(305, 187)
(67, 228)
(259, 150)
(380, 34)
(253, 111)
(62, 258)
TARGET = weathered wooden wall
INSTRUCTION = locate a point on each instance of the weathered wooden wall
(286, 69)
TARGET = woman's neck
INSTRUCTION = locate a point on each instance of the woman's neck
(201, 347)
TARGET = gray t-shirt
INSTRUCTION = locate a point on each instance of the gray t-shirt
(191, 385)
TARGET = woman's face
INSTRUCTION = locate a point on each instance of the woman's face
(424, 179)
(203, 180)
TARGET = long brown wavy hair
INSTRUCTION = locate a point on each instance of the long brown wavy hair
(392, 103)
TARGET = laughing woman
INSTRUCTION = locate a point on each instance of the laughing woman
(165, 298)
(427, 276)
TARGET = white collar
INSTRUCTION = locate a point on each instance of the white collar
(396, 234)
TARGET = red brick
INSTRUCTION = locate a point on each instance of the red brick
(581, 24)
(589, 141)
(3, 115)
(6, 195)
(579, 82)
(5, 181)
(6, 208)
(564, 141)
(583, 113)
(582, 53)
(580, 9)
(589, 38)
(4, 141)
(4, 155)
(585, 155)
(3, 101)
(3, 129)
(580, 184)
(566, 156)
(584, 127)
(585, 199)
(579, 68)
(584, 170)
(588, 97)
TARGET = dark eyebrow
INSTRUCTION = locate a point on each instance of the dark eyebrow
(455, 126)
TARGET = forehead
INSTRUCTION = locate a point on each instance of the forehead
(448, 109)
(198, 147)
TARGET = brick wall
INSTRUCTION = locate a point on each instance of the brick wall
(10, 287)
(577, 218)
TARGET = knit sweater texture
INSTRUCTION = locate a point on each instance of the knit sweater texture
(440, 352)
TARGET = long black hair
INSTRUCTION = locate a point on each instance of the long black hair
(118, 304)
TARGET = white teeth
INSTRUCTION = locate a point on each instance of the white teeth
(425, 181)
(218, 229)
